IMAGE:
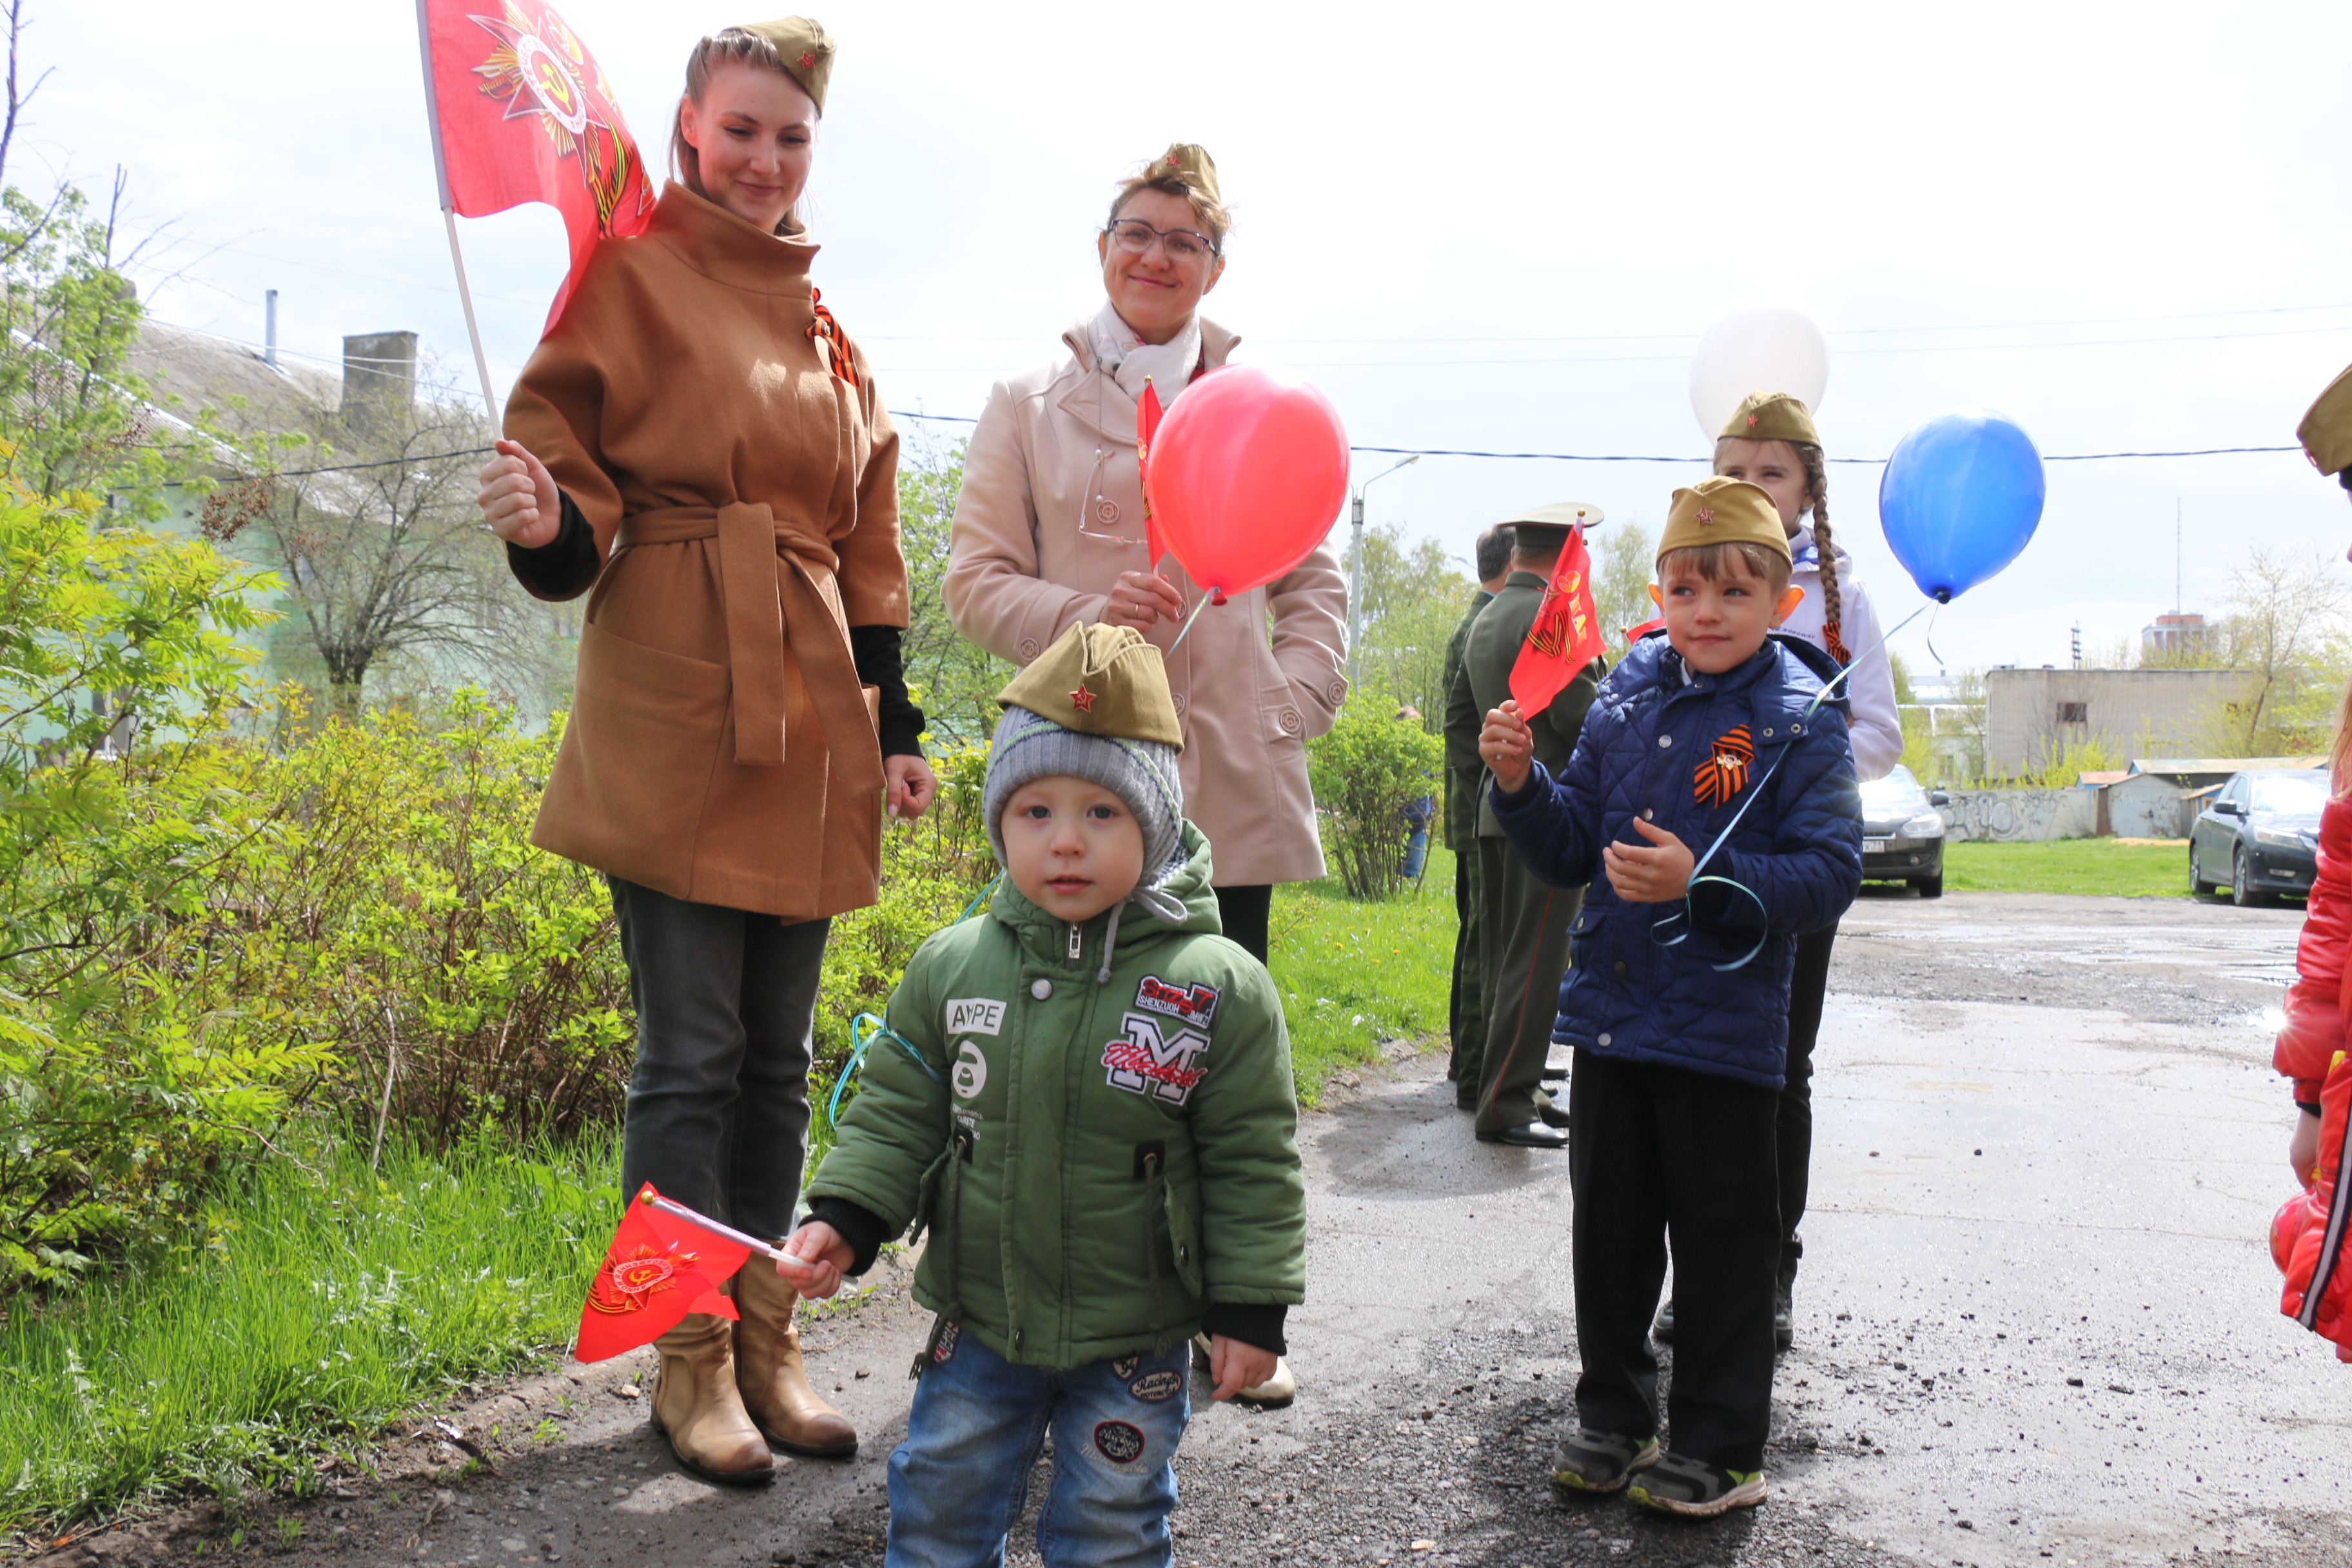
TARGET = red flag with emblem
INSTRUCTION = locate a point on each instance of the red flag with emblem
(1147, 425)
(658, 1269)
(522, 114)
(1566, 636)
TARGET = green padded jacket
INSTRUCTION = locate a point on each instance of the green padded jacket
(1098, 1163)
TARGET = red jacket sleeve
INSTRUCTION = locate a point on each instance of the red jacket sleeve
(2314, 1027)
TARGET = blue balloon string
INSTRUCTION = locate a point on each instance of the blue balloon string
(864, 1030)
(1684, 915)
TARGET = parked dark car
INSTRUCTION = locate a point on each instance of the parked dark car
(1902, 835)
(2259, 835)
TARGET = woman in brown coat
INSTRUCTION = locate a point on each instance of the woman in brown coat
(1049, 530)
(698, 447)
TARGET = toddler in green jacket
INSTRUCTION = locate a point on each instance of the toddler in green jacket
(1086, 1098)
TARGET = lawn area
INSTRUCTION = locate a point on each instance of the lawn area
(318, 1307)
(1353, 974)
(2101, 866)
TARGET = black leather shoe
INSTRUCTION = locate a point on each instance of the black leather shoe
(1553, 1116)
(1528, 1135)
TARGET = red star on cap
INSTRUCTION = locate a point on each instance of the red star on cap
(1753, 420)
(809, 62)
(1082, 700)
(1707, 516)
(1173, 162)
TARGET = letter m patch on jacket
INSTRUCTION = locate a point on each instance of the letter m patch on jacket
(1155, 1058)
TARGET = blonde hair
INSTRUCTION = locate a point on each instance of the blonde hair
(1712, 565)
(2339, 756)
(1817, 500)
(1156, 177)
(728, 46)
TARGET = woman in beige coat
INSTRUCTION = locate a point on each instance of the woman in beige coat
(1049, 530)
(698, 447)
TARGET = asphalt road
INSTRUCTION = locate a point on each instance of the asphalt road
(2038, 1320)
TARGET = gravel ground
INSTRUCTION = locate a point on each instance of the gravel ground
(2037, 1321)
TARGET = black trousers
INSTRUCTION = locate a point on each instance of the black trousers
(1807, 986)
(1244, 912)
(718, 1106)
(1657, 1153)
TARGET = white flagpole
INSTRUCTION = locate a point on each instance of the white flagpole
(449, 208)
(465, 297)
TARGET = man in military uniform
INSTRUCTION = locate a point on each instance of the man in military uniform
(1524, 924)
(1467, 1012)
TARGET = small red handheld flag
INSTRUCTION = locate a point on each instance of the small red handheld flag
(522, 114)
(1147, 425)
(1566, 636)
(1636, 634)
(658, 1269)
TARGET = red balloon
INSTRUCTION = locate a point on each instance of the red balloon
(1248, 471)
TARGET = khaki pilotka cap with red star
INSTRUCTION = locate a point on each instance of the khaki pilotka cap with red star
(1099, 680)
(1722, 510)
(1771, 417)
(2326, 430)
(1189, 163)
(804, 50)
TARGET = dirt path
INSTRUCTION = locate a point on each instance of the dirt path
(2037, 1321)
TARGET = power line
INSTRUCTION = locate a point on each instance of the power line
(1618, 457)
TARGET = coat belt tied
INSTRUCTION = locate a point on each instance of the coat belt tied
(766, 611)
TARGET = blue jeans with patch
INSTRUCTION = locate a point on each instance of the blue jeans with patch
(959, 1481)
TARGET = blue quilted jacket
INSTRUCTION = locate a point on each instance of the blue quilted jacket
(1687, 754)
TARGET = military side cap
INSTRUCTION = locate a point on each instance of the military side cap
(1099, 680)
(1719, 511)
(1549, 522)
(1190, 162)
(2326, 431)
(804, 50)
(1771, 417)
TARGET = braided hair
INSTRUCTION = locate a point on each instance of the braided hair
(1817, 488)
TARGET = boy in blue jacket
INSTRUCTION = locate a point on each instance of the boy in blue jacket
(1678, 1003)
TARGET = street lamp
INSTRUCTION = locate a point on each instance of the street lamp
(1356, 565)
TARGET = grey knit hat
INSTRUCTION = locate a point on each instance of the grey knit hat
(1029, 745)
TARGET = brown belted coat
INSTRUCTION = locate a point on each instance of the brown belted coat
(744, 498)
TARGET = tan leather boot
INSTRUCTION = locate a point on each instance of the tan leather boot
(696, 1406)
(768, 1370)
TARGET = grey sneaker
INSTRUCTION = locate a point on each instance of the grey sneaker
(1679, 1484)
(1591, 1461)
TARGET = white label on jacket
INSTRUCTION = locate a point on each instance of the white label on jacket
(969, 1075)
(1192, 1004)
(975, 1016)
(1155, 1063)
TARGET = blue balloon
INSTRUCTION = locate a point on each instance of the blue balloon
(1961, 498)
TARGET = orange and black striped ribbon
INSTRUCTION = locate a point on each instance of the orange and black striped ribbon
(837, 344)
(1724, 773)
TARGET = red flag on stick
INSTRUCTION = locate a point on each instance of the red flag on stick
(659, 1268)
(1147, 425)
(1566, 636)
(1636, 634)
(522, 114)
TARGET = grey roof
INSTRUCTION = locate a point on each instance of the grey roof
(186, 371)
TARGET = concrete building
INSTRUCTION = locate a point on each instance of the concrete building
(2178, 637)
(2032, 715)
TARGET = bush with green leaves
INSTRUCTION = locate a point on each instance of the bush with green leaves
(1369, 774)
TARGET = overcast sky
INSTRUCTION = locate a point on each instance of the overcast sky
(1491, 226)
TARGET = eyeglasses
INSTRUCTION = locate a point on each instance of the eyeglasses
(1135, 236)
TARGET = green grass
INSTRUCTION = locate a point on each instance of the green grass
(2099, 867)
(1353, 974)
(314, 1312)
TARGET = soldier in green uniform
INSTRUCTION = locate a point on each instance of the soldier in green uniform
(1524, 923)
(1468, 1013)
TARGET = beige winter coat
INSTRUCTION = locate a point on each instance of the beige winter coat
(1063, 436)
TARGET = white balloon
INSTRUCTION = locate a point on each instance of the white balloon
(1763, 348)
